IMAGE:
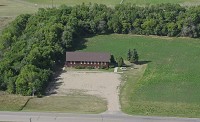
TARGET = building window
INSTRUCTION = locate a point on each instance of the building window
(88, 62)
(94, 62)
(105, 63)
(81, 62)
(84, 62)
(74, 62)
(98, 63)
(91, 63)
(70, 62)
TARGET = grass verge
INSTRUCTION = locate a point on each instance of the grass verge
(69, 103)
(129, 79)
(12, 102)
(73, 103)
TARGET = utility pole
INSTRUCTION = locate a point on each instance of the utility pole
(33, 92)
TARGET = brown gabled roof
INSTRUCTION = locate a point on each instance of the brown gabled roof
(88, 56)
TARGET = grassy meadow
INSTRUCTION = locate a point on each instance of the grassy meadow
(170, 85)
(16, 7)
(74, 2)
(9, 9)
(113, 2)
(182, 2)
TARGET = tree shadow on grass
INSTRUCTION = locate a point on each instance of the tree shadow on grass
(143, 62)
(55, 81)
(80, 42)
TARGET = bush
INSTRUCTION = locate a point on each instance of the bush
(90, 67)
(79, 67)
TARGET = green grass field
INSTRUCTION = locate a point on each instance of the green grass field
(112, 2)
(70, 103)
(74, 2)
(16, 7)
(183, 2)
(74, 103)
(170, 85)
(12, 102)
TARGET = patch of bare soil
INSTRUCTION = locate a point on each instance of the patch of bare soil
(103, 84)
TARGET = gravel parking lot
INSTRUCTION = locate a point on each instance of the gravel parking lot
(102, 84)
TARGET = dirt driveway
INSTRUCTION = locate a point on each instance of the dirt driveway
(103, 84)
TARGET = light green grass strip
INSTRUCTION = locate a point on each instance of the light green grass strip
(69, 103)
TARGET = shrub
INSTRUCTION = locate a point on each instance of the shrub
(90, 67)
(79, 67)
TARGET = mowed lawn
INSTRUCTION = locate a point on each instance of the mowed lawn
(69, 103)
(10, 102)
(113, 2)
(170, 85)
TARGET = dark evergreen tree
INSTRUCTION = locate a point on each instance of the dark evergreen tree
(132, 57)
(135, 56)
(129, 55)
(112, 59)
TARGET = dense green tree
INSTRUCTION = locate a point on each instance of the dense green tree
(129, 55)
(131, 59)
(31, 77)
(67, 37)
(112, 59)
(120, 61)
(135, 56)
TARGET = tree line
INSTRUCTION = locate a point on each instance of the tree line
(33, 44)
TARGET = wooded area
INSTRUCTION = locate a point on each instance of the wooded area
(32, 45)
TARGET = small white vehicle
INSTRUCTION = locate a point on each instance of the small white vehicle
(123, 68)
